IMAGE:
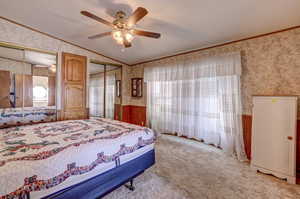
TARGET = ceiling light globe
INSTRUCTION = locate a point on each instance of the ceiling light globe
(129, 37)
(117, 34)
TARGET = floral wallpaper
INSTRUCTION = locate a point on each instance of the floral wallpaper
(270, 66)
(10, 32)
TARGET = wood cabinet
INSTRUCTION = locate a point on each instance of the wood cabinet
(73, 86)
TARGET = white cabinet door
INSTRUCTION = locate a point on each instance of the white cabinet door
(274, 134)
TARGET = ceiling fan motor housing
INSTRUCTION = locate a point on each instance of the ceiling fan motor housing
(120, 22)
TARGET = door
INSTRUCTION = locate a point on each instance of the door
(73, 86)
(274, 133)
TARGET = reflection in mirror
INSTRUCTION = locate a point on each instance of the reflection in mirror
(113, 102)
(103, 99)
(28, 86)
(96, 90)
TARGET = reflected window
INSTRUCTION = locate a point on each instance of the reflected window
(40, 91)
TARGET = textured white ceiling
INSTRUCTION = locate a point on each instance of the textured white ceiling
(184, 24)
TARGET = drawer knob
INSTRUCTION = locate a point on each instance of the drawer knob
(290, 138)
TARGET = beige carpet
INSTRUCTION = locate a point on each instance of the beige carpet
(188, 169)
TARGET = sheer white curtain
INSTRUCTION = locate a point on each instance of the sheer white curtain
(96, 98)
(110, 96)
(198, 97)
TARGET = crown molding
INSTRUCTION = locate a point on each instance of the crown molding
(215, 46)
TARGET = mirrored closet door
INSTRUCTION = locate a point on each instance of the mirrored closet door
(27, 86)
(104, 90)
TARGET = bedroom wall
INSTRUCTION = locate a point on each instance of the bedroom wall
(270, 66)
(10, 32)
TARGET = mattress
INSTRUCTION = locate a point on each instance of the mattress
(45, 158)
(27, 115)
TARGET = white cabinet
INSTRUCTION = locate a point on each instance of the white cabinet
(273, 148)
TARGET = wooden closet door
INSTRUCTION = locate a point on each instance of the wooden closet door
(4, 89)
(19, 90)
(28, 91)
(51, 91)
(73, 86)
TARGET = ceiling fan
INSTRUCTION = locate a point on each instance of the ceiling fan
(123, 27)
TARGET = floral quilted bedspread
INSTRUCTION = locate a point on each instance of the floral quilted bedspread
(43, 144)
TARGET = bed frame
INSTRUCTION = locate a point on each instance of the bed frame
(101, 185)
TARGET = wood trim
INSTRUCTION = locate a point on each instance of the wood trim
(54, 37)
(126, 113)
(218, 45)
(21, 47)
(117, 112)
(247, 132)
(134, 114)
(93, 61)
(87, 112)
(104, 90)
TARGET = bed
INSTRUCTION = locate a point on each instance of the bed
(72, 159)
(27, 115)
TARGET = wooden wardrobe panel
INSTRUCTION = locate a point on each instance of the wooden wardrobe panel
(73, 86)
(19, 90)
(74, 70)
(28, 91)
(4, 89)
(74, 92)
(51, 90)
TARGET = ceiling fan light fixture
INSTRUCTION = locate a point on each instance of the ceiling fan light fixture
(123, 27)
(129, 37)
(53, 68)
(118, 35)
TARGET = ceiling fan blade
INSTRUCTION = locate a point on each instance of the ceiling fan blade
(100, 35)
(146, 33)
(137, 15)
(92, 16)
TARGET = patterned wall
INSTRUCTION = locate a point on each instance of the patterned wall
(270, 64)
(13, 33)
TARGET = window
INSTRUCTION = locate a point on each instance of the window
(40, 91)
(199, 98)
